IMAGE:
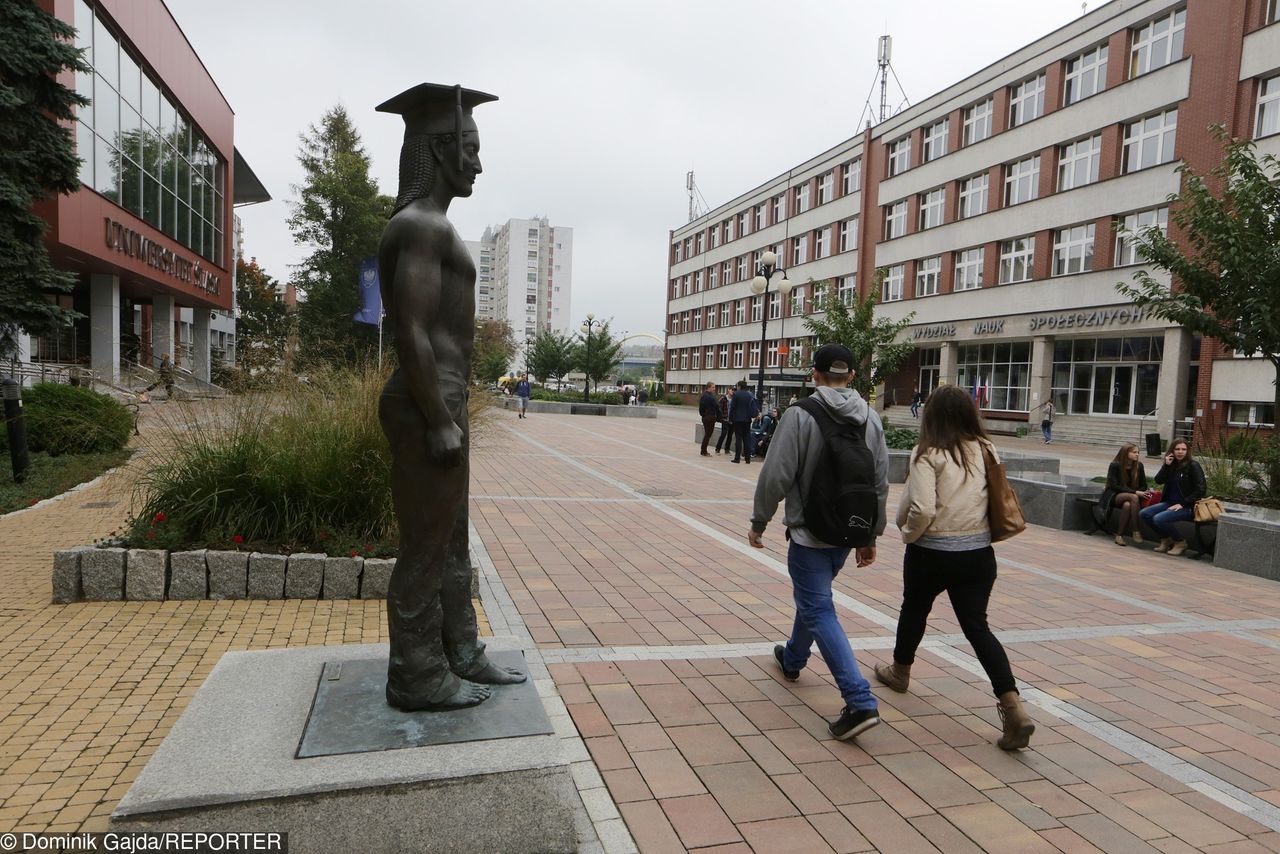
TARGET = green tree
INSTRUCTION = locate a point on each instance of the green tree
(495, 345)
(37, 159)
(340, 215)
(596, 354)
(871, 339)
(551, 356)
(1225, 271)
(264, 322)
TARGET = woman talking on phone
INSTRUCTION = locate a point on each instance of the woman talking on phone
(1184, 485)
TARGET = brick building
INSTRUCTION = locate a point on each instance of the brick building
(992, 205)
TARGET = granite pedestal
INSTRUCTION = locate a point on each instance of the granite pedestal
(1249, 541)
(1050, 499)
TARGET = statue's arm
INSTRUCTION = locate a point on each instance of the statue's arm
(416, 295)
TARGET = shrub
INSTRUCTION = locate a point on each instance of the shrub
(673, 400)
(900, 438)
(1243, 446)
(65, 419)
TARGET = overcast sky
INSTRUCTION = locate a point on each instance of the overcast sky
(605, 104)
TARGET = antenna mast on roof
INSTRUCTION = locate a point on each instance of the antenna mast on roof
(697, 204)
(883, 56)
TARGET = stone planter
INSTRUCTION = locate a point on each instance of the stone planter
(86, 574)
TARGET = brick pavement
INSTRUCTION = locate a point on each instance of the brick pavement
(619, 558)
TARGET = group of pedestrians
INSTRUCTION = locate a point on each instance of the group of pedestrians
(1127, 491)
(828, 465)
(734, 412)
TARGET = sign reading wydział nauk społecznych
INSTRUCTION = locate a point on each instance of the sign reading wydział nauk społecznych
(135, 245)
(1095, 318)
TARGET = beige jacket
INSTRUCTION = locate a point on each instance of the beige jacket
(940, 501)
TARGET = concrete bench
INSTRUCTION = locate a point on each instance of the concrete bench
(1050, 499)
(1014, 463)
(557, 407)
(1249, 541)
(1201, 537)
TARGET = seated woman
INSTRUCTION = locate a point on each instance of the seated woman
(1126, 487)
(762, 431)
(1184, 485)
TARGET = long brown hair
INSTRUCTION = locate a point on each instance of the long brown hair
(1186, 460)
(950, 419)
(1128, 467)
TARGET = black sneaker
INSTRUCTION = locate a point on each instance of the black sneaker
(853, 722)
(791, 675)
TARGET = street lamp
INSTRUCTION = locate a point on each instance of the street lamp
(760, 286)
(586, 328)
(528, 355)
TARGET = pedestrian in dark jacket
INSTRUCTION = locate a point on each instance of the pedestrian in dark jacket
(1126, 489)
(742, 408)
(1184, 485)
(726, 429)
(709, 411)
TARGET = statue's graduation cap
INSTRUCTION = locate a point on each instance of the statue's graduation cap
(432, 108)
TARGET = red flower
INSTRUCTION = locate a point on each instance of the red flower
(237, 539)
(160, 517)
(354, 553)
(33, 502)
(151, 535)
(368, 547)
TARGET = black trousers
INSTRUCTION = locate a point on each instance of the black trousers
(708, 427)
(967, 578)
(725, 441)
(742, 437)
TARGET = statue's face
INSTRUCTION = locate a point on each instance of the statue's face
(462, 181)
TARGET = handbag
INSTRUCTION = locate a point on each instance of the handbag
(1004, 512)
(1207, 510)
(1154, 498)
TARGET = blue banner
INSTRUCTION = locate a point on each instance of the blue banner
(370, 294)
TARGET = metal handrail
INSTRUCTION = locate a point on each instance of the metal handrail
(1142, 425)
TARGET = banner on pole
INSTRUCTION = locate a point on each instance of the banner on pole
(370, 294)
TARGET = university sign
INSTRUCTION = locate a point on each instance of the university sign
(157, 256)
(1070, 320)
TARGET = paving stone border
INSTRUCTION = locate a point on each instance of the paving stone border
(87, 574)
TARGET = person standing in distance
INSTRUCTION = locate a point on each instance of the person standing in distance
(802, 445)
(523, 390)
(1046, 423)
(916, 398)
(742, 408)
(709, 411)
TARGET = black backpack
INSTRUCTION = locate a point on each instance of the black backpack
(841, 507)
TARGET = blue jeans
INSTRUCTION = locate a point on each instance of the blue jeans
(812, 571)
(1160, 518)
(1046, 429)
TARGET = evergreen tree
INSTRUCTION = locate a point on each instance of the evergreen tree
(264, 322)
(341, 215)
(551, 356)
(870, 339)
(37, 159)
(597, 355)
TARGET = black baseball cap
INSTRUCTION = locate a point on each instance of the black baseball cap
(833, 359)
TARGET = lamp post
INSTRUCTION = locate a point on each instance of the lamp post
(528, 355)
(586, 327)
(760, 286)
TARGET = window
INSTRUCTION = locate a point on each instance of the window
(892, 290)
(1016, 256)
(801, 195)
(742, 268)
(973, 196)
(725, 308)
(977, 121)
(737, 355)
(932, 204)
(1149, 142)
(899, 156)
(1022, 181)
(757, 308)
(797, 351)
(684, 322)
(969, 269)
(740, 312)
(675, 360)
(852, 176)
(895, 220)
(826, 187)
(1268, 119)
(1263, 414)
(928, 271)
(1078, 162)
(715, 236)
(846, 288)
(698, 245)
(799, 250)
(1026, 101)
(849, 234)
(711, 277)
(822, 243)
(1158, 43)
(754, 359)
(727, 228)
(935, 140)
(744, 223)
(711, 319)
(760, 210)
(1273, 11)
(724, 355)
(697, 282)
(1126, 242)
(997, 374)
(697, 320)
(1073, 250)
(772, 354)
(1086, 75)
(779, 208)
(797, 301)
(726, 276)
(819, 294)
(675, 253)
(775, 305)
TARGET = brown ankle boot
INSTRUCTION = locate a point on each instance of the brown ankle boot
(1177, 548)
(896, 676)
(1165, 542)
(1017, 724)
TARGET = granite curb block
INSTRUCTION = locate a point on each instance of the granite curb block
(89, 574)
(558, 407)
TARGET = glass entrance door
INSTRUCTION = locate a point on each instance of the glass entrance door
(1113, 388)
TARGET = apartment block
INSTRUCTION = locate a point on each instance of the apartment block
(524, 275)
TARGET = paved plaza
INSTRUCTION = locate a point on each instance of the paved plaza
(617, 558)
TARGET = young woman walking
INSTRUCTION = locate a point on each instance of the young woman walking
(943, 518)
(1184, 485)
(1126, 487)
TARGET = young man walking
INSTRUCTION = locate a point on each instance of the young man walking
(815, 448)
(523, 390)
(1046, 422)
(742, 408)
(709, 411)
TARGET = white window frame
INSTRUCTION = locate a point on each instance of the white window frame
(969, 264)
(893, 281)
(852, 177)
(727, 228)
(928, 276)
(1022, 181)
(1126, 245)
(695, 362)
(1026, 100)
(753, 355)
(715, 236)
(713, 278)
(771, 354)
(1252, 416)
(1017, 258)
(801, 195)
(849, 234)
(1155, 133)
(744, 223)
(826, 187)
(723, 355)
(676, 250)
(698, 243)
(757, 308)
(760, 215)
(779, 207)
(1085, 75)
(1267, 118)
(726, 312)
(711, 317)
(1078, 162)
(797, 301)
(933, 205)
(1157, 43)
(737, 355)
(900, 155)
(973, 195)
(846, 288)
(936, 139)
(799, 250)
(822, 243)
(775, 305)
(895, 220)
(726, 275)
(740, 312)
(742, 267)
(977, 121)
(819, 294)
(1073, 250)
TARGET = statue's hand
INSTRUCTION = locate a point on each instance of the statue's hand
(444, 444)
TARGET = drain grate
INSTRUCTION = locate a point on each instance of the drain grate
(658, 491)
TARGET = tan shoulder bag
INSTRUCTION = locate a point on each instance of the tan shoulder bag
(1004, 513)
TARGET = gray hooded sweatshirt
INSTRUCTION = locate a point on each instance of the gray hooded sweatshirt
(793, 458)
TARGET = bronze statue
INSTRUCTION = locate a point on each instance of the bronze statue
(428, 289)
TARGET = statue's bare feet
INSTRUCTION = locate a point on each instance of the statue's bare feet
(494, 675)
(468, 694)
